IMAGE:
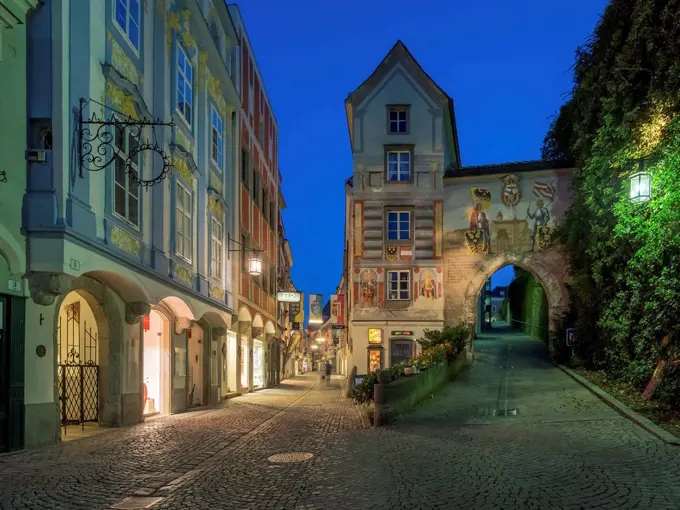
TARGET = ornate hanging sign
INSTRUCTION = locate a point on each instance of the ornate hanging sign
(510, 193)
(97, 147)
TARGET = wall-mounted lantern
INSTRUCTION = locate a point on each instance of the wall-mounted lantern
(254, 262)
(640, 183)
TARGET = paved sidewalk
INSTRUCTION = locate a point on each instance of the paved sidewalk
(173, 457)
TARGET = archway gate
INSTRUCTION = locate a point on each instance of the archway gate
(501, 215)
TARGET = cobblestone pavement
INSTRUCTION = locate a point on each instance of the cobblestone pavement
(562, 449)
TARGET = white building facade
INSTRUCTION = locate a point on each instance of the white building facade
(403, 137)
(127, 216)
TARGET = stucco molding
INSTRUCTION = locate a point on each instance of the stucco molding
(46, 287)
(135, 311)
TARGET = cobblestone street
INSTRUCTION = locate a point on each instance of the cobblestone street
(562, 449)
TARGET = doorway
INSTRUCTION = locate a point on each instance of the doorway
(196, 366)
(401, 351)
(258, 364)
(4, 375)
(228, 356)
(156, 364)
(244, 363)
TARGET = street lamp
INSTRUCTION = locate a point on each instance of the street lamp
(640, 184)
(254, 262)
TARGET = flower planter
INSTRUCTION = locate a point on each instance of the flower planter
(409, 371)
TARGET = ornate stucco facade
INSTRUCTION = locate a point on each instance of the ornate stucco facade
(140, 273)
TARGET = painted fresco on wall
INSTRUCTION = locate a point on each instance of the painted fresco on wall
(513, 214)
(428, 288)
(368, 288)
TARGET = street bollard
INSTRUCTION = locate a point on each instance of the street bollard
(378, 419)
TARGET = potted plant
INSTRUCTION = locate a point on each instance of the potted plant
(408, 371)
(384, 377)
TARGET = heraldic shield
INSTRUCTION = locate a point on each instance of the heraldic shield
(510, 193)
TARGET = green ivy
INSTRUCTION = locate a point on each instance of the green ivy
(625, 257)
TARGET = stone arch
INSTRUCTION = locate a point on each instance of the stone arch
(552, 284)
(244, 315)
(257, 321)
(106, 311)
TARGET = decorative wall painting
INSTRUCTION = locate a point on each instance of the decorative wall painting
(368, 283)
(428, 284)
(391, 252)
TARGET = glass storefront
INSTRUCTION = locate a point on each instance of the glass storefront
(258, 364)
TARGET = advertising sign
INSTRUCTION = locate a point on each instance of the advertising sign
(316, 308)
(374, 336)
(299, 315)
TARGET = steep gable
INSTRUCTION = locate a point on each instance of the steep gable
(400, 55)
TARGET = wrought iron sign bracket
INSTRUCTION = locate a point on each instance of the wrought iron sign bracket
(243, 249)
(97, 142)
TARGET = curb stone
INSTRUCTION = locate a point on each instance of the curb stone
(363, 416)
(624, 410)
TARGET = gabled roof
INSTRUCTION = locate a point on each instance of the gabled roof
(400, 54)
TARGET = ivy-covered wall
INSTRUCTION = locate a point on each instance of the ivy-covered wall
(528, 304)
(625, 256)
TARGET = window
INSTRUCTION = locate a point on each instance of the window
(256, 187)
(183, 223)
(493, 308)
(127, 18)
(244, 259)
(216, 236)
(265, 204)
(245, 167)
(399, 285)
(272, 279)
(398, 225)
(125, 183)
(265, 277)
(260, 133)
(185, 75)
(217, 130)
(398, 166)
(398, 119)
(271, 141)
(401, 351)
(251, 92)
(272, 215)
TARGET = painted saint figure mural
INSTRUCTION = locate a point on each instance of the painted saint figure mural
(479, 221)
(540, 218)
(368, 284)
(428, 284)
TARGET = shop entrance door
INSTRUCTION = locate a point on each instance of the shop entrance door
(4, 377)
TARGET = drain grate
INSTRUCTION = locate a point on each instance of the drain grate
(504, 412)
(291, 457)
(137, 503)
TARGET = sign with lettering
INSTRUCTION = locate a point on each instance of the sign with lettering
(402, 333)
(288, 297)
(374, 336)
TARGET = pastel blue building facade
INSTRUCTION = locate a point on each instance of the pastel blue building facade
(129, 205)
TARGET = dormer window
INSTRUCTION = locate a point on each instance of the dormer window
(397, 121)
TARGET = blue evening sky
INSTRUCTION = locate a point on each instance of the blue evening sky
(506, 65)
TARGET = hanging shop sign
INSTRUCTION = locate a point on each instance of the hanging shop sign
(288, 297)
(316, 308)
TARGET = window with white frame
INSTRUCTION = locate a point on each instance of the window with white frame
(398, 120)
(398, 285)
(185, 94)
(184, 214)
(216, 138)
(126, 180)
(398, 225)
(398, 166)
(216, 235)
(127, 14)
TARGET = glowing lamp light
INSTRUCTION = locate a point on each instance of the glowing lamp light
(640, 187)
(254, 266)
(315, 347)
(320, 339)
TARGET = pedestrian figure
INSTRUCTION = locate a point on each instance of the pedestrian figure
(328, 374)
